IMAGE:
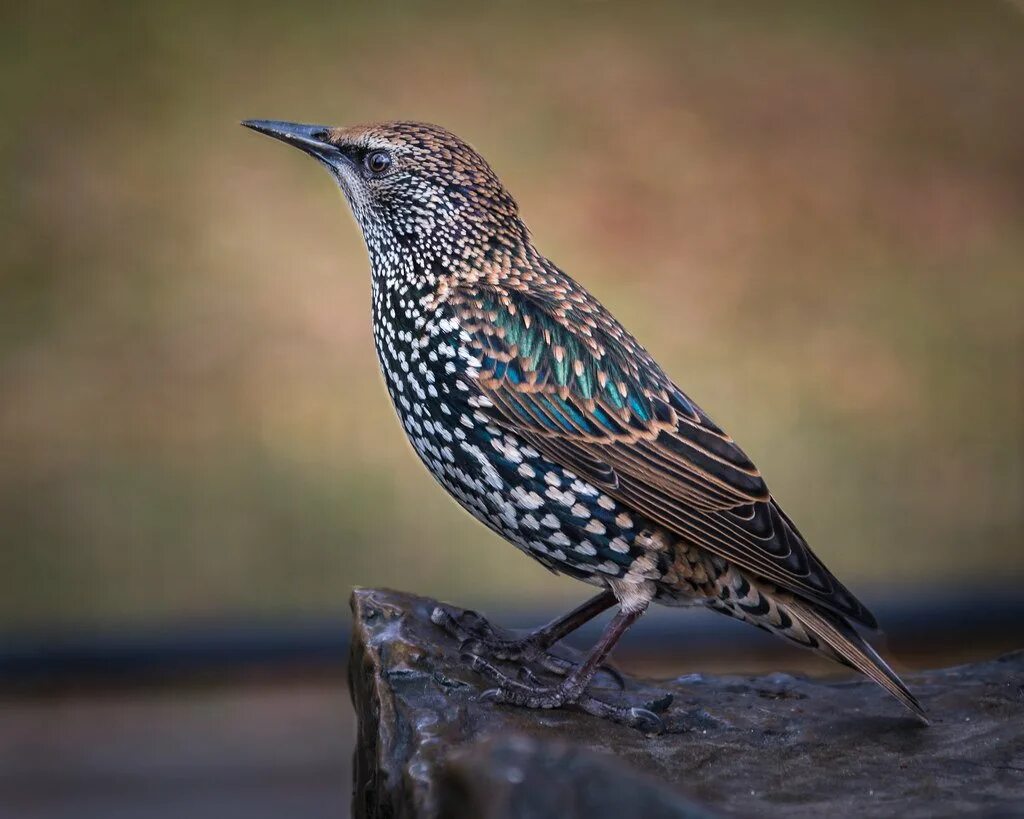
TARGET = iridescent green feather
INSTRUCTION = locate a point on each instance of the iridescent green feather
(572, 378)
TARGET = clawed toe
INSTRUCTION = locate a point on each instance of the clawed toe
(477, 637)
(642, 719)
(487, 669)
(481, 646)
(527, 676)
(645, 721)
(531, 694)
(465, 626)
(492, 695)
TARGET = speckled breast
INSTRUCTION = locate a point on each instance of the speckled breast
(566, 523)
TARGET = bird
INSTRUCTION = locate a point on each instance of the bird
(546, 420)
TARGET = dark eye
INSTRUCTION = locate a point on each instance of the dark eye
(377, 161)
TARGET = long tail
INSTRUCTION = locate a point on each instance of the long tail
(854, 650)
(810, 626)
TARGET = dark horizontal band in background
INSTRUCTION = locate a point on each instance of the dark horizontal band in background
(916, 628)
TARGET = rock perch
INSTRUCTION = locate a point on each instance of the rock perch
(766, 746)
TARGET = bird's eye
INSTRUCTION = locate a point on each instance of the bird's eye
(377, 161)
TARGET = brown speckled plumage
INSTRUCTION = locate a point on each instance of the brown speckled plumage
(551, 424)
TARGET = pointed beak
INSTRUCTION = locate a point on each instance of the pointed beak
(309, 138)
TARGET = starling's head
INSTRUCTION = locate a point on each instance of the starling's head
(407, 182)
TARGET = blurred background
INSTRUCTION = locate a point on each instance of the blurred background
(811, 213)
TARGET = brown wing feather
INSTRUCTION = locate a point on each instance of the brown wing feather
(587, 395)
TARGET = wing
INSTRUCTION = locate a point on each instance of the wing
(563, 374)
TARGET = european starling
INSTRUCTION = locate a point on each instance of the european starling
(547, 421)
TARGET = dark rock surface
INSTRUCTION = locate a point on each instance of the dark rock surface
(742, 746)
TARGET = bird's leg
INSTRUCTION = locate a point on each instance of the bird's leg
(479, 638)
(572, 690)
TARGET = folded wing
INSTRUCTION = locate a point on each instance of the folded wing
(563, 374)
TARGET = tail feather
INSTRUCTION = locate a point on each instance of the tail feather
(801, 622)
(855, 651)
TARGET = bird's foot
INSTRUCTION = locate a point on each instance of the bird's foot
(568, 694)
(478, 637)
(474, 632)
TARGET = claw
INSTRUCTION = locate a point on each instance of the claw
(646, 721)
(495, 695)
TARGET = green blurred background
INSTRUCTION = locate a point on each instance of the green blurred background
(811, 213)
